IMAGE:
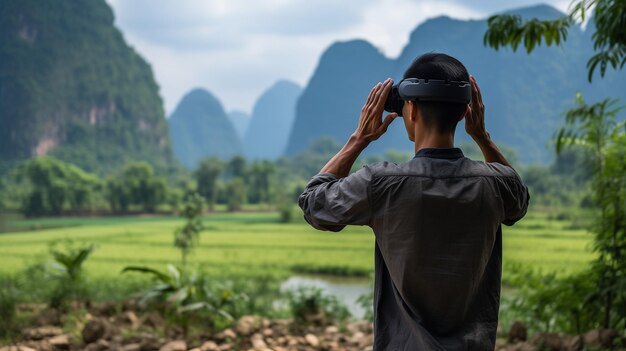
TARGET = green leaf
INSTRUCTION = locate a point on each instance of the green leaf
(159, 275)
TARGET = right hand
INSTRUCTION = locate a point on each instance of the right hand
(475, 117)
(371, 125)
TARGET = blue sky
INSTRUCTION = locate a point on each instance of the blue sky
(237, 49)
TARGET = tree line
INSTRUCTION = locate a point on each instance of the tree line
(46, 186)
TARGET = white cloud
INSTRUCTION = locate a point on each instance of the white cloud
(238, 48)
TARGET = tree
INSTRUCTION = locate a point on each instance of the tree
(136, 185)
(186, 237)
(237, 167)
(206, 176)
(236, 194)
(594, 127)
(609, 38)
(54, 186)
(259, 181)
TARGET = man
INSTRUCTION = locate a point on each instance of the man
(437, 218)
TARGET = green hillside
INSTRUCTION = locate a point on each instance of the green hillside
(71, 87)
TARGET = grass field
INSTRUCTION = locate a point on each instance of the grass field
(249, 244)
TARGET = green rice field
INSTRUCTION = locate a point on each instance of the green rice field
(251, 244)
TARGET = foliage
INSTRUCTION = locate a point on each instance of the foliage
(8, 308)
(136, 185)
(206, 176)
(609, 36)
(236, 191)
(366, 301)
(547, 303)
(259, 179)
(186, 237)
(52, 186)
(76, 90)
(237, 167)
(67, 270)
(310, 304)
(183, 296)
(565, 183)
(595, 127)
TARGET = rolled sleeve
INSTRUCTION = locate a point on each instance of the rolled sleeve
(331, 203)
(515, 198)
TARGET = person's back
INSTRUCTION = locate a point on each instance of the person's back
(437, 221)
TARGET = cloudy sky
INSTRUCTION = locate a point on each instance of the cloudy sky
(238, 48)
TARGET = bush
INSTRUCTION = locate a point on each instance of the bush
(310, 305)
(547, 303)
(8, 308)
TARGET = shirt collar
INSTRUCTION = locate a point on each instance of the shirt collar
(446, 153)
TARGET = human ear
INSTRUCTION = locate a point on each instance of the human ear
(413, 108)
(465, 113)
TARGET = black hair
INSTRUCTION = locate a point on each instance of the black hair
(439, 114)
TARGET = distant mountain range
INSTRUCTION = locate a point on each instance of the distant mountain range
(525, 95)
(240, 120)
(272, 117)
(199, 128)
(71, 87)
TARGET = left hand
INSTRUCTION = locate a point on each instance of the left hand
(371, 127)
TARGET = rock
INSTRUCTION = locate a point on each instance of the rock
(50, 316)
(572, 343)
(364, 326)
(547, 341)
(130, 317)
(518, 332)
(150, 343)
(356, 337)
(600, 337)
(226, 334)
(94, 330)
(209, 346)
(257, 342)
(153, 320)
(247, 325)
(267, 332)
(331, 329)
(312, 340)
(100, 345)
(60, 342)
(41, 333)
(225, 347)
(332, 345)
(176, 345)
(195, 349)
(523, 346)
(366, 341)
(131, 347)
(16, 348)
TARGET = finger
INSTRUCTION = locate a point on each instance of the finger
(480, 97)
(381, 95)
(385, 92)
(390, 117)
(375, 95)
(371, 94)
(475, 96)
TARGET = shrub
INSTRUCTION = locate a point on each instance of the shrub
(311, 305)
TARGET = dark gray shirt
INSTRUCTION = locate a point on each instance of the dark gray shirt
(438, 253)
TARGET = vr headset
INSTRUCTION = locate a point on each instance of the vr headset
(417, 89)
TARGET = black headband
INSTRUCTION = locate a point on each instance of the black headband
(435, 90)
